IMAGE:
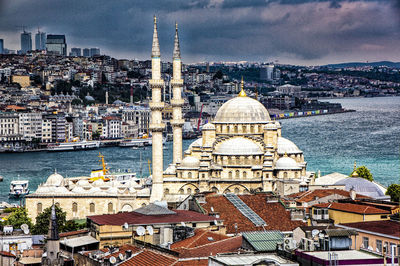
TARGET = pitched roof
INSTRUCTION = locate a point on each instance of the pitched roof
(307, 196)
(387, 227)
(150, 257)
(350, 207)
(263, 240)
(273, 213)
(73, 233)
(201, 237)
(138, 218)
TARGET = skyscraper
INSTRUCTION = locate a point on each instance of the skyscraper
(1, 46)
(56, 44)
(86, 52)
(26, 42)
(40, 40)
(75, 52)
(94, 51)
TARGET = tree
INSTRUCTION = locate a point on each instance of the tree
(218, 75)
(43, 220)
(76, 101)
(364, 172)
(394, 192)
(18, 217)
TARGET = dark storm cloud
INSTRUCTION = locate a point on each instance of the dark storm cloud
(307, 30)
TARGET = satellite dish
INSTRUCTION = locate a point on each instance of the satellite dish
(121, 256)
(150, 230)
(140, 230)
(212, 209)
(125, 226)
(183, 224)
(321, 235)
(113, 260)
(215, 222)
(314, 232)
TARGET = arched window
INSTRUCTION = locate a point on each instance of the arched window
(251, 129)
(285, 175)
(244, 174)
(166, 191)
(203, 175)
(197, 190)
(39, 207)
(244, 129)
(295, 174)
(190, 175)
(236, 129)
(230, 160)
(237, 191)
(110, 207)
(214, 189)
(74, 207)
(230, 174)
(143, 204)
(92, 207)
(189, 191)
(237, 174)
(181, 191)
(246, 160)
(237, 160)
(57, 205)
(227, 191)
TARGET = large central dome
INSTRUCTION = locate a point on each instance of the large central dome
(242, 109)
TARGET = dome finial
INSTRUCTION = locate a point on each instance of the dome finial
(242, 93)
(354, 174)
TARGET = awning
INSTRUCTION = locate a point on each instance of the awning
(79, 241)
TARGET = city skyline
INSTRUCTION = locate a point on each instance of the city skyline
(295, 32)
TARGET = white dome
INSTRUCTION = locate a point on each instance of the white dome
(98, 183)
(242, 110)
(362, 186)
(54, 180)
(190, 162)
(44, 190)
(286, 163)
(170, 170)
(79, 190)
(112, 190)
(286, 146)
(61, 190)
(208, 126)
(238, 146)
(83, 183)
(196, 143)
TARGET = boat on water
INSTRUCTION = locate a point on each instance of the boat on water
(104, 173)
(73, 146)
(19, 188)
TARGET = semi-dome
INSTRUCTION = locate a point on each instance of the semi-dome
(238, 146)
(286, 163)
(362, 186)
(197, 143)
(190, 162)
(54, 179)
(286, 146)
(242, 110)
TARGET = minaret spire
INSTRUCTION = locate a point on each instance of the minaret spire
(177, 50)
(155, 50)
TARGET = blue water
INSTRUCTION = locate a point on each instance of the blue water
(331, 143)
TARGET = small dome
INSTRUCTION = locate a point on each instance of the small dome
(98, 183)
(196, 143)
(286, 146)
(238, 146)
(54, 180)
(242, 110)
(170, 170)
(286, 163)
(44, 190)
(61, 190)
(112, 190)
(190, 162)
(83, 183)
(78, 190)
(362, 186)
(208, 126)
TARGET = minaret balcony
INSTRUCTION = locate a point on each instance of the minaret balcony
(156, 127)
(156, 83)
(156, 106)
(177, 82)
(177, 102)
(177, 122)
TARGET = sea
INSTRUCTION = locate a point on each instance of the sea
(330, 143)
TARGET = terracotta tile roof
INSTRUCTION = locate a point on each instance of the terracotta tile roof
(122, 250)
(137, 218)
(231, 244)
(387, 227)
(307, 196)
(193, 262)
(72, 233)
(7, 254)
(149, 257)
(350, 207)
(200, 238)
(273, 213)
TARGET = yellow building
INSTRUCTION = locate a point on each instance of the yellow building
(22, 80)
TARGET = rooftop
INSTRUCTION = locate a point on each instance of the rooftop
(350, 207)
(311, 195)
(387, 227)
(201, 237)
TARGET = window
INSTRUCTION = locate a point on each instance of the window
(39, 207)
(237, 191)
(244, 174)
(379, 246)
(166, 191)
(74, 207)
(190, 175)
(189, 191)
(295, 174)
(365, 242)
(92, 207)
(237, 174)
(251, 129)
(285, 175)
(110, 207)
(390, 249)
(230, 174)
(203, 176)
(236, 129)
(181, 191)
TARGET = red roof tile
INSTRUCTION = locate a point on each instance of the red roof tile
(149, 257)
(72, 233)
(7, 254)
(273, 213)
(387, 227)
(200, 238)
(231, 244)
(307, 196)
(137, 218)
(193, 262)
(350, 207)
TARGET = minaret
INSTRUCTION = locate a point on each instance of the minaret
(177, 101)
(53, 241)
(156, 126)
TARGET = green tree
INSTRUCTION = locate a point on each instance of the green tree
(364, 172)
(43, 220)
(18, 217)
(218, 75)
(394, 192)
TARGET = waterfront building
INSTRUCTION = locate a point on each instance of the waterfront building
(26, 42)
(75, 52)
(56, 44)
(137, 115)
(9, 129)
(40, 40)
(112, 127)
(30, 125)
(46, 131)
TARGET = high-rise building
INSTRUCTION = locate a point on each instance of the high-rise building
(1, 46)
(94, 51)
(26, 42)
(56, 44)
(40, 40)
(75, 52)
(266, 72)
(86, 52)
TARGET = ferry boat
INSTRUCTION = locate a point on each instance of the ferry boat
(19, 188)
(73, 146)
(106, 174)
(139, 142)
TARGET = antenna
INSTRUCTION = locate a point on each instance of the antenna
(140, 230)
(150, 230)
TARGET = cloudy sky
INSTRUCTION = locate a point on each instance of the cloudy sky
(291, 31)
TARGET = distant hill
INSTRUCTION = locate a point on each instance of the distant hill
(360, 64)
